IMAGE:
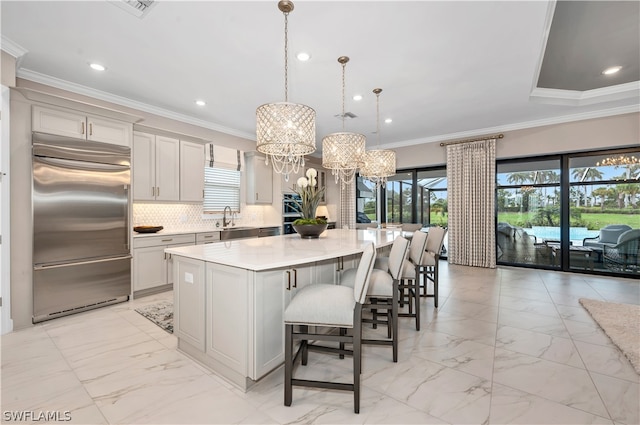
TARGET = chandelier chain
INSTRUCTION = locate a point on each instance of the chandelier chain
(286, 56)
(378, 119)
(344, 65)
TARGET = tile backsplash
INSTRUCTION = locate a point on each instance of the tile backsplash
(189, 216)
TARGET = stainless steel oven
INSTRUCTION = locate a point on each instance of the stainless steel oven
(289, 212)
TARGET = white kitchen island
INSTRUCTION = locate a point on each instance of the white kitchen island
(229, 297)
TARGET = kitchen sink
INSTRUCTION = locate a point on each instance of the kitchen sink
(228, 233)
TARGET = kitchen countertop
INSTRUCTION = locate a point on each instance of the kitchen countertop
(286, 250)
(183, 231)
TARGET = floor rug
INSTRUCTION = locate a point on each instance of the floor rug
(621, 322)
(160, 313)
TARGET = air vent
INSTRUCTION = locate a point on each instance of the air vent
(347, 115)
(138, 8)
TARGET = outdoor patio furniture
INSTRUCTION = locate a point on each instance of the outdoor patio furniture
(608, 236)
(624, 255)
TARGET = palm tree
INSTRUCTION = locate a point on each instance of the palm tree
(588, 173)
(602, 193)
(519, 178)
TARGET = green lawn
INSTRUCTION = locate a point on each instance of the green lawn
(595, 221)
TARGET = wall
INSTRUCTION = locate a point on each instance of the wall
(587, 135)
(8, 69)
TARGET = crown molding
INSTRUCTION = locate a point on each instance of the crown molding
(123, 101)
(519, 126)
(588, 97)
(13, 48)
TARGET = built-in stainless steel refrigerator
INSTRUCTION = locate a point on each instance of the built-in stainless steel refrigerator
(80, 225)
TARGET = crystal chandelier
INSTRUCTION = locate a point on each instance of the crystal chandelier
(285, 131)
(379, 164)
(343, 152)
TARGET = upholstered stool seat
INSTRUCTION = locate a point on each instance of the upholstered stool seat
(322, 304)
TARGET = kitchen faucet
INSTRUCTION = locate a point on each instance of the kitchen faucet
(225, 223)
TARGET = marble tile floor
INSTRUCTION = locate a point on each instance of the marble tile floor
(506, 346)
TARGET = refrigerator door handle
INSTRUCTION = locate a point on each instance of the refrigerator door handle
(101, 260)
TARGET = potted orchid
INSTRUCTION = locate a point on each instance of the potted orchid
(310, 195)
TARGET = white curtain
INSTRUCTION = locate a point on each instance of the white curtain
(348, 205)
(471, 181)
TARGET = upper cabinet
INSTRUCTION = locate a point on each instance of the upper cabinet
(321, 182)
(191, 171)
(156, 168)
(259, 179)
(64, 122)
(291, 185)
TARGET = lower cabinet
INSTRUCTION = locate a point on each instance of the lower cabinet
(189, 323)
(273, 291)
(152, 267)
(227, 316)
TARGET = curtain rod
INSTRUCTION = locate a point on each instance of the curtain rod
(495, 136)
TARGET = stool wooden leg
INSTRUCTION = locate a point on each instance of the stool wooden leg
(394, 315)
(357, 354)
(288, 364)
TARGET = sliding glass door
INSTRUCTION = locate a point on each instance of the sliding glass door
(605, 209)
(528, 212)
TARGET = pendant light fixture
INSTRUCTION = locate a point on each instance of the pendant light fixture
(379, 164)
(343, 153)
(285, 131)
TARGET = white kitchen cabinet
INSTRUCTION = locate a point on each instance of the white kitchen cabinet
(191, 171)
(259, 179)
(227, 339)
(64, 122)
(189, 291)
(207, 237)
(152, 268)
(156, 168)
(289, 186)
(321, 182)
(274, 290)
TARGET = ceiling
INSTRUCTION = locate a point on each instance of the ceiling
(449, 69)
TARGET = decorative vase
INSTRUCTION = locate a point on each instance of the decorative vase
(309, 231)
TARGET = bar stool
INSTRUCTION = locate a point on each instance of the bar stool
(410, 279)
(430, 261)
(327, 306)
(383, 294)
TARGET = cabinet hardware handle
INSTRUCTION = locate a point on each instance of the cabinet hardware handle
(257, 197)
(165, 255)
(158, 191)
(167, 240)
(288, 280)
(295, 278)
(208, 236)
(90, 129)
(82, 128)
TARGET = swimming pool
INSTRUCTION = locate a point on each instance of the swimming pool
(548, 232)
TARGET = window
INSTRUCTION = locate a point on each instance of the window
(221, 189)
(366, 211)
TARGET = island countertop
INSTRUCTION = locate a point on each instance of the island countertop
(286, 250)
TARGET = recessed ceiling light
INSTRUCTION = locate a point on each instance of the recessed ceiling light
(357, 97)
(97, 66)
(303, 56)
(200, 102)
(611, 70)
(388, 120)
